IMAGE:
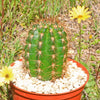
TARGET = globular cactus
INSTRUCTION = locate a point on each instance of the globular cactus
(46, 51)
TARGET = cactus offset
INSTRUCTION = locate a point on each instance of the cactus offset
(46, 51)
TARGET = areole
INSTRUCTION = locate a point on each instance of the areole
(20, 94)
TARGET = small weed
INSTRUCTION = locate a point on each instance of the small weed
(98, 51)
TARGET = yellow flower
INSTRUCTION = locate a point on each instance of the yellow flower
(79, 13)
(90, 37)
(7, 74)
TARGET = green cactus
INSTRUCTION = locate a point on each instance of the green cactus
(46, 51)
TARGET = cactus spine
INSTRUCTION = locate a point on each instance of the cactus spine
(46, 51)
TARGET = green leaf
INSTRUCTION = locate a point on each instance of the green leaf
(84, 26)
(98, 51)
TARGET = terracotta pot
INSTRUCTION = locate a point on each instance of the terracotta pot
(20, 94)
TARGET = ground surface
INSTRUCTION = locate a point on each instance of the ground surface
(90, 54)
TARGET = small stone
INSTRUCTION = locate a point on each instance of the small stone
(27, 76)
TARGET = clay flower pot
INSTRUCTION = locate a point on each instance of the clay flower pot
(20, 94)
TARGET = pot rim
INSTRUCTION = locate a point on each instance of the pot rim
(25, 91)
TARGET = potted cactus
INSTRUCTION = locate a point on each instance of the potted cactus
(46, 58)
(46, 51)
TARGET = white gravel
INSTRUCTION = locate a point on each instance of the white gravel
(74, 78)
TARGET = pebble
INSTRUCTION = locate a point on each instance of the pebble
(76, 78)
